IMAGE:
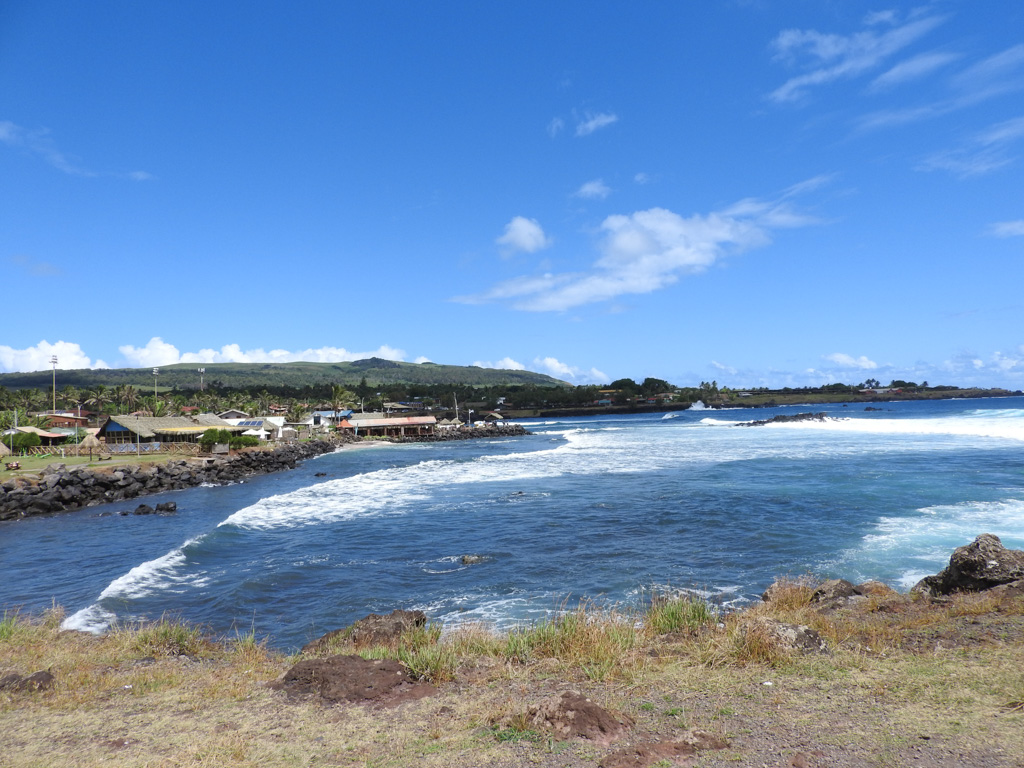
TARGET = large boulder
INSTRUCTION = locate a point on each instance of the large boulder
(983, 564)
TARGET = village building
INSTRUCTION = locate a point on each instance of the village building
(153, 431)
(378, 425)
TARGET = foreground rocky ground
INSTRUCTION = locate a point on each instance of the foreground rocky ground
(829, 674)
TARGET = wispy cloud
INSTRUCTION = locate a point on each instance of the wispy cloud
(593, 122)
(38, 142)
(829, 57)
(35, 268)
(847, 361)
(159, 352)
(555, 126)
(646, 251)
(912, 69)
(523, 234)
(993, 76)
(986, 151)
(1006, 228)
(37, 358)
(593, 190)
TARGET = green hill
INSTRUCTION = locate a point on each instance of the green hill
(376, 371)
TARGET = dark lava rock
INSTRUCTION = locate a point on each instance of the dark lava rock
(788, 637)
(374, 629)
(983, 564)
(834, 589)
(471, 559)
(167, 507)
(144, 509)
(37, 681)
(786, 418)
(353, 679)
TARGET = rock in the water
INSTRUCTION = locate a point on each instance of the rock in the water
(167, 507)
(983, 564)
(143, 509)
(573, 715)
(472, 559)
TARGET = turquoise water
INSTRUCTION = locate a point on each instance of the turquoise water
(599, 508)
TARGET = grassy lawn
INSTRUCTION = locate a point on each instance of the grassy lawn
(34, 464)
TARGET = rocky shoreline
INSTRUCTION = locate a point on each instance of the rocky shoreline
(58, 488)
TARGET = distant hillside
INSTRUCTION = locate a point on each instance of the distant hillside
(376, 371)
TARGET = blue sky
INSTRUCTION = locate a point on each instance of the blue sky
(760, 193)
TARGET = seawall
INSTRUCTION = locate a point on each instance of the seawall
(59, 489)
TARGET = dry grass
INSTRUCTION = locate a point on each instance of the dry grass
(166, 695)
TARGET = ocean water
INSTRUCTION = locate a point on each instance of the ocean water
(604, 509)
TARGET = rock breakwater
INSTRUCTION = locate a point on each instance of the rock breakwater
(473, 433)
(59, 488)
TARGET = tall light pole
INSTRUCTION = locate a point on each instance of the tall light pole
(156, 372)
(201, 372)
(53, 359)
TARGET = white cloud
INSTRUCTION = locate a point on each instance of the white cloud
(846, 361)
(642, 178)
(554, 367)
(913, 68)
(592, 122)
(987, 151)
(523, 234)
(157, 352)
(506, 363)
(69, 357)
(35, 268)
(421, 359)
(1007, 228)
(555, 126)
(724, 368)
(592, 190)
(646, 251)
(829, 57)
(38, 142)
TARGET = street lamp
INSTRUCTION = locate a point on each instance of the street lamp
(156, 372)
(201, 372)
(53, 359)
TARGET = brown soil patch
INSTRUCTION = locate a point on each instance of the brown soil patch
(382, 682)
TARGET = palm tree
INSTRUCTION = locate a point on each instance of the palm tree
(131, 398)
(98, 396)
(29, 399)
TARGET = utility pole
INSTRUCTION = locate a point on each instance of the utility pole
(53, 359)
(156, 372)
(201, 372)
